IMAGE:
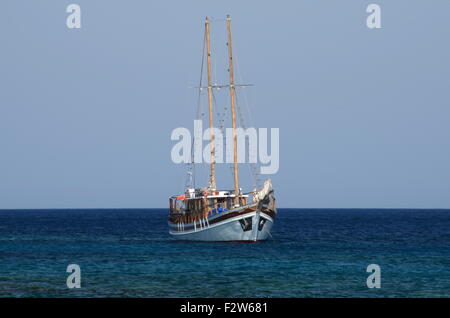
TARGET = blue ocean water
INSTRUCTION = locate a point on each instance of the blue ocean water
(313, 253)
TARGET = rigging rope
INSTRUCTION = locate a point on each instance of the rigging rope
(190, 178)
(253, 167)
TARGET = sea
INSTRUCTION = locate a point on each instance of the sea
(312, 253)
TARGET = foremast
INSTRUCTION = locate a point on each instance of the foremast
(212, 179)
(233, 113)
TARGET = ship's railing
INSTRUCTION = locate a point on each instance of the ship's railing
(187, 211)
(192, 209)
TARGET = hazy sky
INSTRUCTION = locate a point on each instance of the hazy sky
(86, 115)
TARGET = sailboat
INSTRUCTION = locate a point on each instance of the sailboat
(211, 214)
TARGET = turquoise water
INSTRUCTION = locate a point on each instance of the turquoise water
(313, 253)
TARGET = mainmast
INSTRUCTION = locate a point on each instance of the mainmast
(212, 180)
(233, 113)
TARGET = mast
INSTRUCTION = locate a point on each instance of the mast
(233, 113)
(212, 181)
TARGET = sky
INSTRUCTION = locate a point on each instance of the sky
(86, 114)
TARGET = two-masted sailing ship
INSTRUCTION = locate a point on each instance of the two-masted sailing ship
(211, 214)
